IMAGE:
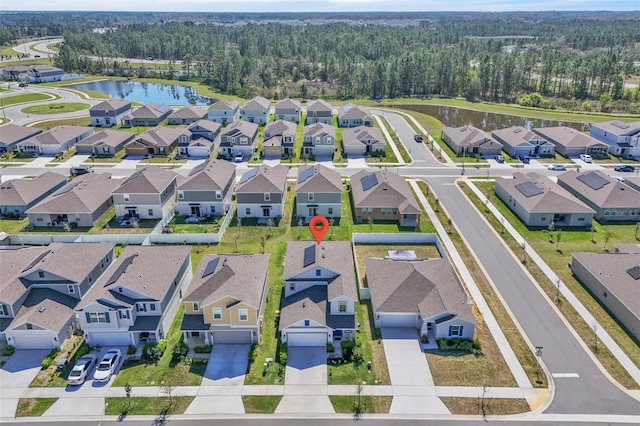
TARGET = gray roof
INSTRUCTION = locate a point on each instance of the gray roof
(212, 175)
(22, 192)
(619, 128)
(287, 103)
(83, 194)
(280, 127)
(568, 137)
(243, 127)
(239, 276)
(147, 180)
(549, 197)
(148, 270)
(146, 323)
(150, 111)
(627, 248)
(266, 179)
(211, 126)
(322, 179)
(391, 191)
(45, 308)
(194, 322)
(225, 106)
(311, 130)
(428, 287)
(13, 133)
(467, 136)
(112, 138)
(351, 111)
(111, 105)
(633, 182)
(612, 194)
(319, 105)
(160, 136)
(60, 134)
(257, 103)
(189, 112)
(515, 136)
(362, 133)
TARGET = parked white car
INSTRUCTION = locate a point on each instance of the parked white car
(586, 158)
(81, 370)
(239, 157)
(107, 365)
(557, 167)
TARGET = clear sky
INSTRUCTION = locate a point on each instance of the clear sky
(320, 5)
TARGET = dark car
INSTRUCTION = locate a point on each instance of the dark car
(22, 85)
(625, 168)
(77, 171)
(417, 138)
(524, 159)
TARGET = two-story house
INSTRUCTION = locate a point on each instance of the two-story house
(226, 299)
(138, 298)
(279, 139)
(319, 139)
(149, 193)
(18, 195)
(237, 137)
(11, 134)
(623, 138)
(207, 189)
(41, 285)
(319, 111)
(256, 110)
(363, 140)
(109, 113)
(352, 115)
(318, 192)
(261, 192)
(318, 306)
(187, 115)
(55, 141)
(288, 110)
(224, 112)
(200, 139)
(148, 115)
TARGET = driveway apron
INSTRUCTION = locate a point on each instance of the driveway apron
(16, 375)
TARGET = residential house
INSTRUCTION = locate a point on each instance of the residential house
(226, 299)
(40, 286)
(363, 140)
(187, 115)
(44, 74)
(279, 139)
(256, 110)
(469, 141)
(138, 298)
(80, 202)
(517, 141)
(261, 192)
(148, 115)
(11, 134)
(319, 111)
(240, 136)
(614, 279)
(224, 112)
(109, 113)
(622, 138)
(156, 141)
(384, 195)
(423, 294)
(149, 193)
(318, 192)
(613, 201)
(571, 142)
(15, 73)
(539, 201)
(18, 195)
(633, 182)
(320, 294)
(352, 115)
(207, 189)
(201, 140)
(288, 110)
(55, 141)
(319, 139)
(105, 143)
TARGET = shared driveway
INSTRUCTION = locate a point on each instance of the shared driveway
(411, 381)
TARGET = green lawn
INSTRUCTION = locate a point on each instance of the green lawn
(261, 404)
(25, 97)
(50, 124)
(367, 404)
(13, 226)
(33, 407)
(158, 406)
(55, 108)
(178, 225)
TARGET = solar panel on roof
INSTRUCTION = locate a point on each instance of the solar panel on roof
(123, 266)
(251, 173)
(211, 266)
(593, 180)
(305, 174)
(634, 272)
(309, 256)
(368, 181)
(620, 124)
(517, 130)
(529, 189)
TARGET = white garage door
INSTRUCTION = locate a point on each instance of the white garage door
(199, 151)
(109, 339)
(398, 320)
(238, 336)
(33, 342)
(306, 339)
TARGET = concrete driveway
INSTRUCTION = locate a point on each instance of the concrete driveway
(15, 376)
(356, 162)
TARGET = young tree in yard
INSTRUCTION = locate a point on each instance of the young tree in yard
(332, 221)
(167, 389)
(558, 238)
(263, 243)
(370, 222)
(638, 230)
(270, 224)
(607, 237)
(127, 392)
(236, 237)
(300, 225)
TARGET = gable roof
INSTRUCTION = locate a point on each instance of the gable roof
(112, 138)
(45, 308)
(151, 110)
(317, 178)
(311, 130)
(160, 136)
(189, 112)
(83, 194)
(147, 180)
(280, 127)
(22, 192)
(225, 106)
(265, 179)
(428, 287)
(568, 137)
(211, 175)
(239, 276)
(257, 103)
(619, 128)
(241, 128)
(110, 105)
(515, 136)
(319, 105)
(468, 136)
(611, 193)
(12, 133)
(288, 103)
(60, 134)
(351, 111)
(389, 190)
(211, 126)
(361, 133)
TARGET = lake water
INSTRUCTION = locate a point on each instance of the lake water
(145, 93)
(488, 121)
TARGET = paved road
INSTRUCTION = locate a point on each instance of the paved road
(591, 392)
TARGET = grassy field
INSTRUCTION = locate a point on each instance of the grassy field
(25, 97)
(368, 404)
(179, 226)
(474, 406)
(13, 226)
(261, 404)
(33, 407)
(557, 259)
(50, 124)
(158, 406)
(55, 108)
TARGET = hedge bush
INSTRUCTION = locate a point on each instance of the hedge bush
(457, 344)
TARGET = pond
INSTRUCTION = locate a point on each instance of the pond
(145, 93)
(488, 121)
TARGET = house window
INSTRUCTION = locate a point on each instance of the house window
(244, 314)
(29, 326)
(150, 211)
(218, 195)
(4, 310)
(41, 274)
(267, 196)
(367, 210)
(244, 141)
(342, 306)
(311, 196)
(217, 313)
(581, 219)
(71, 288)
(306, 323)
(455, 330)
(329, 141)
(180, 195)
(90, 278)
(124, 314)
(39, 219)
(126, 197)
(318, 272)
(196, 308)
(141, 307)
(292, 286)
(330, 211)
(152, 306)
(97, 317)
(247, 211)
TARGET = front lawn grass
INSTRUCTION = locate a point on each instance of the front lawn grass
(492, 406)
(13, 226)
(158, 406)
(55, 108)
(261, 404)
(572, 241)
(33, 407)
(212, 224)
(25, 97)
(50, 124)
(368, 404)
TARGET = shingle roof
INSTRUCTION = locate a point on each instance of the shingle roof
(22, 192)
(211, 126)
(189, 112)
(351, 111)
(428, 287)
(60, 134)
(280, 127)
(110, 105)
(148, 180)
(514, 136)
(311, 130)
(112, 138)
(319, 105)
(362, 133)
(12, 133)
(212, 175)
(613, 194)
(390, 191)
(257, 103)
(243, 127)
(288, 104)
(618, 128)
(161, 136)
(45, 308)
(225, 106)
(150, 111)
(323, 179)
(469, 136)
(568, 137)
(239, 276)
(83, 194)
(266, 179)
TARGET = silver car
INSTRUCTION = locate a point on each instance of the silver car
(81, 370)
